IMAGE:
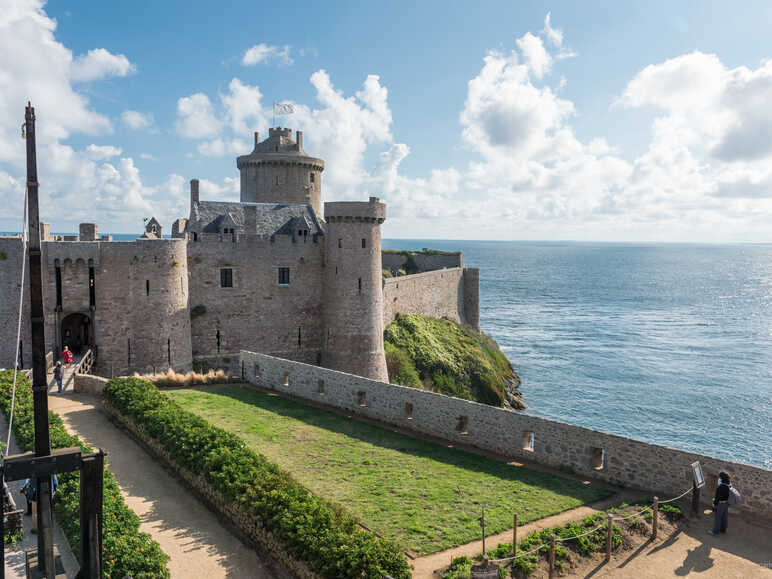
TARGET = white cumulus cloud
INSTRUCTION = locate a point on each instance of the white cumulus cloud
(136, 120)
(100, 63)
(267, 54)
(196, 118)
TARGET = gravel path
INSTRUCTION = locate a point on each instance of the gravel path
(196, 541)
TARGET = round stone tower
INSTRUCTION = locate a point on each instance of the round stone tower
(353, 304)
(278, 170)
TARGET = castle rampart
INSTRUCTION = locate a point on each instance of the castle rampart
(422, 260)
(595, 454)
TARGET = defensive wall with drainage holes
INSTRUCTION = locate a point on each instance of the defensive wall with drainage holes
(596, 455)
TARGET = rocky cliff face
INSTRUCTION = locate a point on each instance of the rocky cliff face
(445, 357)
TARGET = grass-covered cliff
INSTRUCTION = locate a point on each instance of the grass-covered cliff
(445, 357)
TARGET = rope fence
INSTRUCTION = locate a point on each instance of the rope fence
(653, 508)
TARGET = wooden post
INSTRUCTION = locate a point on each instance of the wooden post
(552, 557)
(514, 535)
(91, 497)
(37, 327)
(695, 499)
(654, 514)
(482, 524)
(609, 535)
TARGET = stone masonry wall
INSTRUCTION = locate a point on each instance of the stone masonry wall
(625, 461)
(10, 279)
(256, 313)
(433, 293)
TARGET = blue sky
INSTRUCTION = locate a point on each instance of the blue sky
(609, 121)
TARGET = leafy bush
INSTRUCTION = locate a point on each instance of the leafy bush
(450, 359)
(460, 568)
(310, 528)
(126, 549)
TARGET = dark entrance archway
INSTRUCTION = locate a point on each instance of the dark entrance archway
(77, 333)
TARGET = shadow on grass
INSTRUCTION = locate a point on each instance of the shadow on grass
(388, 439)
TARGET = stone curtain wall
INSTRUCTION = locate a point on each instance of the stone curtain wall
(621, 460)
(439, 294)
(424, 261)
(10, 278)
(90, 384)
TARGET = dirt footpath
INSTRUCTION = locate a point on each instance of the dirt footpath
(197, 543)
(745, 552)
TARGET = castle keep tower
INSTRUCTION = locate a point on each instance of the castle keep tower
(278, 170)
(353, 296)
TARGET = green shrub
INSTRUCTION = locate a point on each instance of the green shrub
(460, 568)
(449, 358)
(400, 367)
(126, 549)
(310, 528)
(386, 273)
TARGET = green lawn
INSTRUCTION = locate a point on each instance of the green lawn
(424, 496)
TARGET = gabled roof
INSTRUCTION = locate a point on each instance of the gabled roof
(271, 218)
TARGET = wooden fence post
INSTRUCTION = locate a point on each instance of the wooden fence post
(514, 534)
(552, 557)
(609, 535)
(91, 500)
(654, 514)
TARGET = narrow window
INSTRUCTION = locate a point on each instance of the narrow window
(277, 177)
(360, 285)
(462, 426)
(528, 440)
(320, 386)
(147, 287)
(364, 243)
(169, 351)
(409, 410)
(20, 361)
(128, 344)
(243, 370)
(336, 270)
(286, 380)
(597, 457)
(257, 370)
(300, 342)
(340, 243)
(362, 398)
(312, 177)
(58, 287)
(284, 276)
(226, 277)
(218, 341)
(195, 236)
(318, 358)
(91, 288)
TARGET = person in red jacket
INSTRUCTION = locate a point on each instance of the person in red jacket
(67, 356)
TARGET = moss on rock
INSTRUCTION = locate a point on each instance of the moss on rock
(445, 357)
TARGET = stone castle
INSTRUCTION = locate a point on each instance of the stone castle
(270, 273)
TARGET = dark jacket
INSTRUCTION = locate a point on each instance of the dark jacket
(58, 372)
(722, 493)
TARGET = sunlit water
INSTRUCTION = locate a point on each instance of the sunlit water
(666, 343)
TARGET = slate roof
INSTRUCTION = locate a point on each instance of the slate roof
(272, 218)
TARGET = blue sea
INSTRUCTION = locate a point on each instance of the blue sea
(668, 343)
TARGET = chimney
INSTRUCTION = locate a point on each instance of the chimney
(250, 219)
(299, 139)
(193, 192)
(257, 139)
(88, 232)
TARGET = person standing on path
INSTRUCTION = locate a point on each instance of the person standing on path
(721, 505)
(58, 375)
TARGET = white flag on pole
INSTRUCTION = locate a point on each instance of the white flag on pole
(283, 108)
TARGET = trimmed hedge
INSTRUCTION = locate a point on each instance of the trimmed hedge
(311, 529)
(126, 549)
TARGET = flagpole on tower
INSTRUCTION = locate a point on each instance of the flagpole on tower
(273, 122)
